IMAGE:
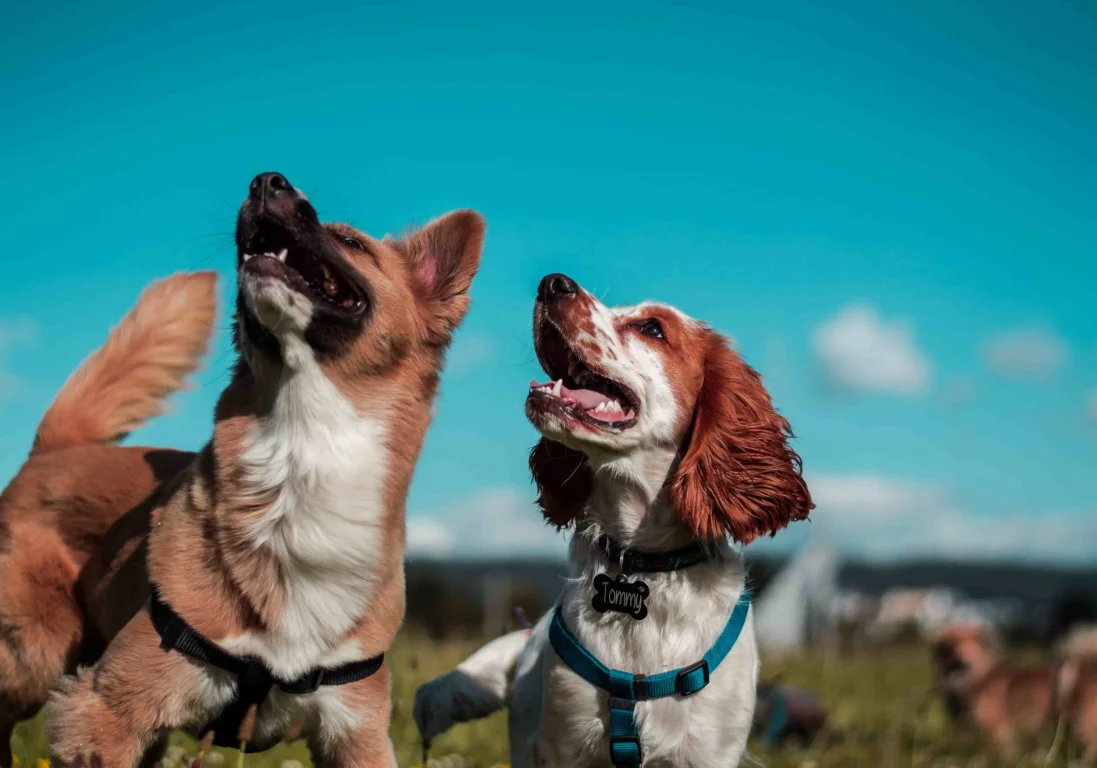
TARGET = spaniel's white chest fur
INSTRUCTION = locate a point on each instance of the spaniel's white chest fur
(687, 612)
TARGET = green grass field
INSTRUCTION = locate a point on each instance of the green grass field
(882, 716)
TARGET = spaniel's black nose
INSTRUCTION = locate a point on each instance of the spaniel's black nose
(556, 286)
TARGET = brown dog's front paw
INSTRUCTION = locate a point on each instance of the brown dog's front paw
(84, 732)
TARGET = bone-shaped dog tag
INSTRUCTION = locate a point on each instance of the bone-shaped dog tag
(620, 595)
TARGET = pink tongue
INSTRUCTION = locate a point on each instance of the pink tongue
(587, 398)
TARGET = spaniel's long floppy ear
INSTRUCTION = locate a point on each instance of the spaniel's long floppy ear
(563, 480)
(737, 476)
(443, 258)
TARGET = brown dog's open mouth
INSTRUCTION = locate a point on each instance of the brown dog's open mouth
(576, 391)
(274, 252)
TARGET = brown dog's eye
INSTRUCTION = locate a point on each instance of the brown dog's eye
(354, 242)
(651, 328)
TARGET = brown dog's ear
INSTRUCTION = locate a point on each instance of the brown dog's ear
(443, 257)
(563, 480)
(737, 477)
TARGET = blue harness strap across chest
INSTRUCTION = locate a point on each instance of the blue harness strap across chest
(626, 689)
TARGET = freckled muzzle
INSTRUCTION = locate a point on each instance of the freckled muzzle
(579, 393)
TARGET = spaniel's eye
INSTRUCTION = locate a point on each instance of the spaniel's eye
(651, 328)
(354, 242)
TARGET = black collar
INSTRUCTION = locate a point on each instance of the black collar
(634, 561)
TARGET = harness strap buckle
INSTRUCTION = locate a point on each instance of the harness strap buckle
(624, 740)
(685, 682)
(624, 751)
(309, 683)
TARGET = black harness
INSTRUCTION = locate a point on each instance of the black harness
(253, 678)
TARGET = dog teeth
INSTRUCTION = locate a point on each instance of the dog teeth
(607, 406)
(552, 388)
(281, 256)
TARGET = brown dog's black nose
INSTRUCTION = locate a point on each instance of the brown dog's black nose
(267, 186)
(555, 287)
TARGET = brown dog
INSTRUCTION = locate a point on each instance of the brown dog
(1009, 702)
(66, 502)
(1077, 688)
(282, 541)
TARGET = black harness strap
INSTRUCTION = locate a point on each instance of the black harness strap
(254, 678)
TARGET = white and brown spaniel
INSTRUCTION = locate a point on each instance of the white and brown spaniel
(662, 448)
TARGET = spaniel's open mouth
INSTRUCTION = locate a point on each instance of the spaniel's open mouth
(274, 252)
(576, 391)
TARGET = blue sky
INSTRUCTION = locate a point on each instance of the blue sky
(889, 205)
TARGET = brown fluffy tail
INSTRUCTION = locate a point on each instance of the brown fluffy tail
(147, 357)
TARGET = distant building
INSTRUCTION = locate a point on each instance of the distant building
(799, 606)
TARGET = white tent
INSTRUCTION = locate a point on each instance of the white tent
(797, 608)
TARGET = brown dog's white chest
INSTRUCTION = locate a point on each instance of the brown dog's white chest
(324, 467)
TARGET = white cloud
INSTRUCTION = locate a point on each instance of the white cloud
(872, 498)
(429, 536)
(1027, 353)
(495, 522)
(1059, 536)
(469, 350)
(882, 517)
(861, 352)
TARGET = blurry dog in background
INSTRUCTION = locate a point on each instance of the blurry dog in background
(1010, 702)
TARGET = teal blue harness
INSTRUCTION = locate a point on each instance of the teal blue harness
(626, 689)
